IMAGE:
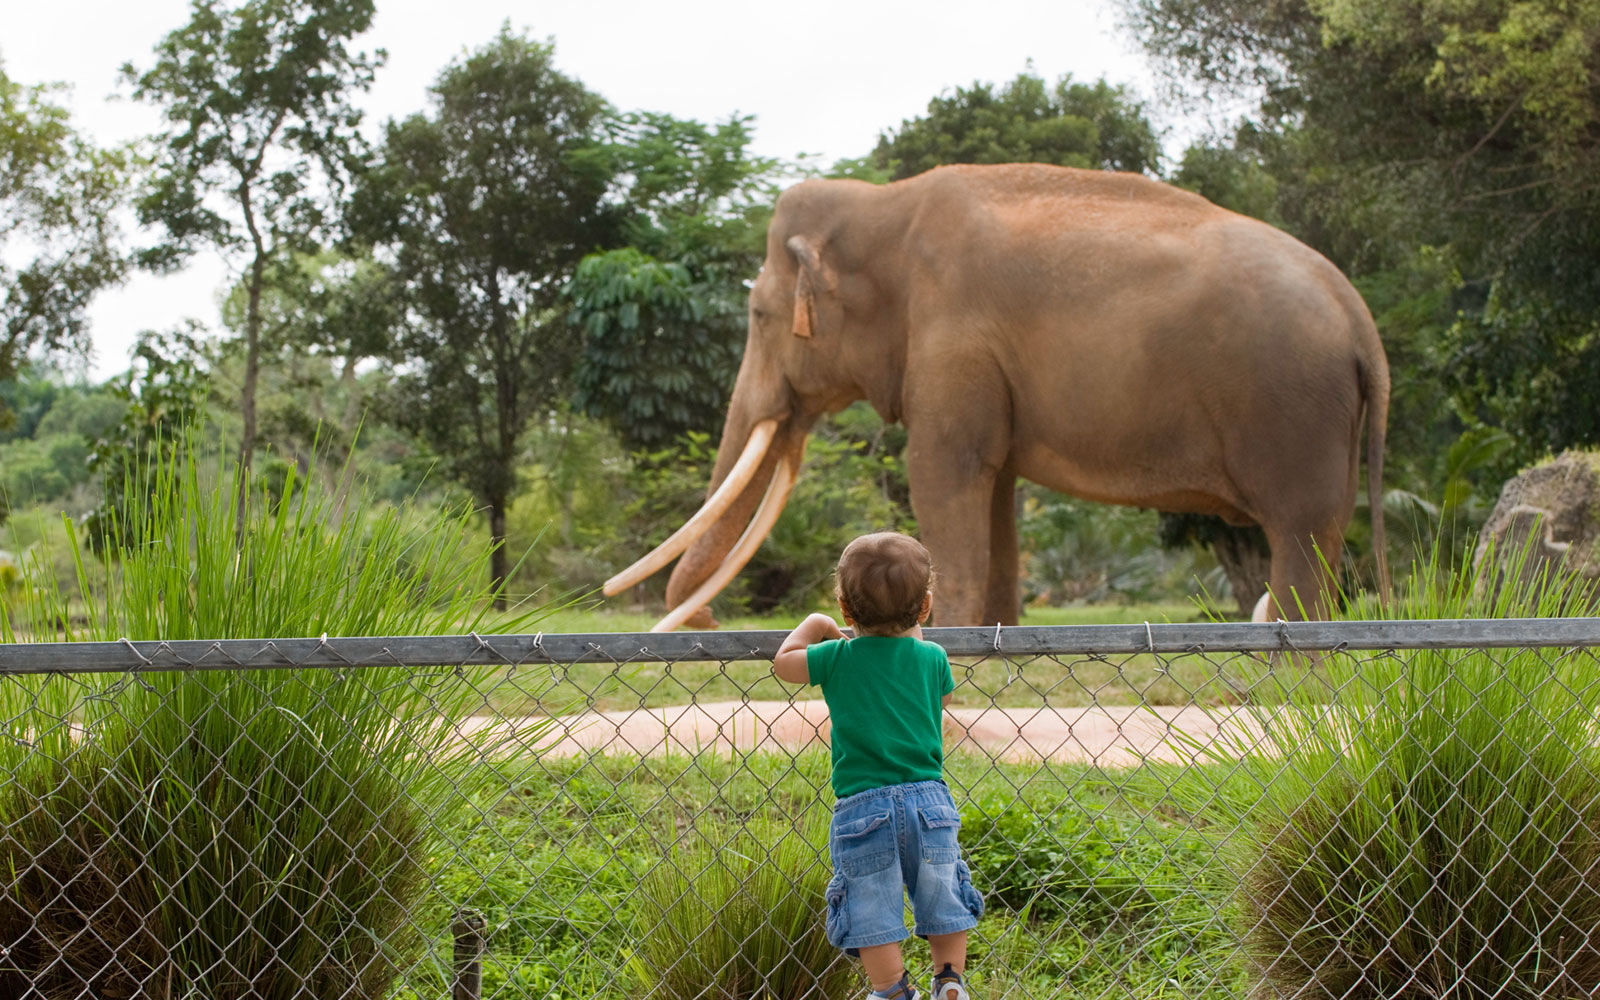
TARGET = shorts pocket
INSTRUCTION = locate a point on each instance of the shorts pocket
(941, 827)
(837, 925)
(970, 896)
(864, 846)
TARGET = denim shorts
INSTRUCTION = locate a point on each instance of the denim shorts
(885, 841)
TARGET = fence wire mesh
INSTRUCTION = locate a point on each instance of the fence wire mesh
(1311, 810)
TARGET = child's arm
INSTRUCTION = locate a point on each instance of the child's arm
(790, 663)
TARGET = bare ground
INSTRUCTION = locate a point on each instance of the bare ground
(1109, 735)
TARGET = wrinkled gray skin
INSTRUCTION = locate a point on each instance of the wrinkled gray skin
(1103, 334)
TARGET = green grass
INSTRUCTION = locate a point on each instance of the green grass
(572, 858)
(235, 833)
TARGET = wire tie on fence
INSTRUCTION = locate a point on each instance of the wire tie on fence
(997, 637)
(124, 640)
(1150, 638)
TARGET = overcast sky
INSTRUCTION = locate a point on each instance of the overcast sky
(822, 77)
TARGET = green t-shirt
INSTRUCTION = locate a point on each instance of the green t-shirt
(885, 697)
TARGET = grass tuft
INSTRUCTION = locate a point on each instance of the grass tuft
(235, 833)
(738, 915)
(1425, 824)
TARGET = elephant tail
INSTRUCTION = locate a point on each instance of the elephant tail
(1375, 387)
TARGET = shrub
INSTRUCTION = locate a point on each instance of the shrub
(739, 914)
(1426, 824)
(1084, 861)
(228, 833)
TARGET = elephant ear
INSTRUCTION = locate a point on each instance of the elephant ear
(811, 279)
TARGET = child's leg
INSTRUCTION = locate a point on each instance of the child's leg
(948, 949)
(884, 965)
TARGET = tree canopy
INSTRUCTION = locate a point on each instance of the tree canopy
(1070, 124)
(59, 243)
(261, 134)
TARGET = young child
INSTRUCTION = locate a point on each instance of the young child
(895, 824)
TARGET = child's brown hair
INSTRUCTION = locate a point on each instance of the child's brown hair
(882, 579)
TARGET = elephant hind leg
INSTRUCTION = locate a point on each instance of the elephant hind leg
(1003, 601)
(1302, 582)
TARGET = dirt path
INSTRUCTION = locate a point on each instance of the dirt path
(1111, 735)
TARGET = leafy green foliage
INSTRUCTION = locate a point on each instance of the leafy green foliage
(1232, 176)
(58, 230)
(660, 349)
(1071, 124)
(482, 209)
(1079, 551)
(663, 320)
(1090, 863)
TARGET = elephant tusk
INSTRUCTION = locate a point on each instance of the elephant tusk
(739, 477)
(766, 515)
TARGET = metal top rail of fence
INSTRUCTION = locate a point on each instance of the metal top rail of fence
(603, 647)
(1307, 810)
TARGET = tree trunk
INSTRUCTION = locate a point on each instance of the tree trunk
(497, 555)
(252, 357)
(352, 414)
(1246, 564)
(247, 392)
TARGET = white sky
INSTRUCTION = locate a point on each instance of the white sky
(822, 77)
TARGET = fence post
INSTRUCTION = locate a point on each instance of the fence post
(468, 933)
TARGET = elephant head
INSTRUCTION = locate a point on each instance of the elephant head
(818, 340)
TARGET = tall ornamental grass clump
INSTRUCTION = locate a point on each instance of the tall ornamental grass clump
(739, 915)
(232, 834)
(1424, 824)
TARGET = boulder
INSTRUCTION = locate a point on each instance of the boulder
(1551, 512)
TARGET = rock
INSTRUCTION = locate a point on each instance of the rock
(1551, 512)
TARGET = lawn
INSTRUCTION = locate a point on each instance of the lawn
(1095, 886)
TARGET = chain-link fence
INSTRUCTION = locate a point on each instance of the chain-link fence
(1357, 810)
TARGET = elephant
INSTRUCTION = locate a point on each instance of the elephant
(1102, 334)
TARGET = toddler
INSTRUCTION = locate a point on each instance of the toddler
(894, 824)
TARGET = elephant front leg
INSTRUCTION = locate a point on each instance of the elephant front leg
(953, 495)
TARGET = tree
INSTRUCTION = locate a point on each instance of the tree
(321, 315)
(262, 134)
(663, 320)
(483, 208)
(58, 237)
(1071, 124)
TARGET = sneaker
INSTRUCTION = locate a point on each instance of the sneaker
(948, 985)
(903, 990)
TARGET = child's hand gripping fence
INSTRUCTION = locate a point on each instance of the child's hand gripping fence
(1313, 810)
